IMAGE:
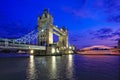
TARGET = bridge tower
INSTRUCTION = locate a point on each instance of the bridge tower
(63, 40)
(46, 38)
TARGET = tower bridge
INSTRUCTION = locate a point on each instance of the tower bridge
(45, 40)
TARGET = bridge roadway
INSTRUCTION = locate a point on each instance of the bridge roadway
(23, 47)
(8, 44)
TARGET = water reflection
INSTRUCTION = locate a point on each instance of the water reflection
(31, 68)
(66, 67)
(70, 63)
(99, 67)
(53, 67)
(70, 66)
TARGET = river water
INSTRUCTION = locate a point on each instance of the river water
(67, 67)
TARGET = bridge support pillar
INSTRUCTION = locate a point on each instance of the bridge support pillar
(49, 40)
(63, 41)
(46, 38)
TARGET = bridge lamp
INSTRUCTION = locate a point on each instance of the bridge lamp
(70, 47)
(53, 50)
(70, 51)
(31, 51)
(64, 47)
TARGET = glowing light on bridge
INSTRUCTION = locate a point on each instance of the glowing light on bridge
(53, 50)
(70, 47)
(31, 51)
(42, 30)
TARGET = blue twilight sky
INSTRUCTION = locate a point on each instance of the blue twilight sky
(90, 22)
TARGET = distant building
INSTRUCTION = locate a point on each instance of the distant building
(119, 43)
(115, 47)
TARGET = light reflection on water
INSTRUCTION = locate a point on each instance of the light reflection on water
(53, 67)
(31, 68)
(70, 66)
(66, 67)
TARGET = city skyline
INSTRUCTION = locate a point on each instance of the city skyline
(89, 22)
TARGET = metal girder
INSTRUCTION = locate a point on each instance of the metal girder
(58, 30)
(56, 33)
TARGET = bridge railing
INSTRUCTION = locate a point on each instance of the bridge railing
(30, 37)
(24, 42)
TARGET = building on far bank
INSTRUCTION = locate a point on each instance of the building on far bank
(119, 43)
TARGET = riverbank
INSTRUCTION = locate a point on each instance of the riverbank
(100, 52)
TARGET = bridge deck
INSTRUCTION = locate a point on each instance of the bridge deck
(25, 47)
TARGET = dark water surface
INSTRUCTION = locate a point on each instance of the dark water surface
(67, 67)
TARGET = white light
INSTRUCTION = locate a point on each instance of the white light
(70, 51)
(70, 47)
(53, 65)
(31, 68)
(61, 29)
(31, 51)
(70, 57)
(31, 58)
(42, 30)
(53, 50)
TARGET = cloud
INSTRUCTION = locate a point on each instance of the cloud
(114, 18)
(116, 39)
(75, 37)
(102, 31)
(93, 9)
(112, 9)
(105, 33)
(103, 37)
(81, 12)
(116, 33)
